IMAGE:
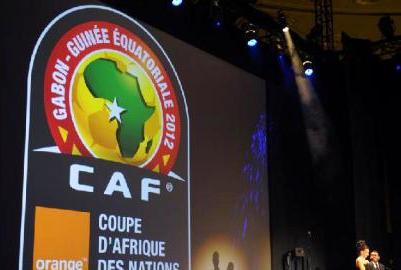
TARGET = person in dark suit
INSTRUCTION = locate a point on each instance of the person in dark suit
(374, 263)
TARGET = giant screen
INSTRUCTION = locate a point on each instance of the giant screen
(141, 152)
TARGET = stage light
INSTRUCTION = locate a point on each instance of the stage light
(250, 35)
(176, 3)
(282, 21)
(398, 67)
(216, 13)
(308, 68)
(277, 44)
(252, 42)
(309, 72)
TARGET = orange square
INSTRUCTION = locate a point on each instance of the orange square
(61, 239)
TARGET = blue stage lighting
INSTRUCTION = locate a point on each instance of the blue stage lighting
(251, 36)
(308, 67)
(216, 13)
(176, 2)
(252, 42)
(309, 72)
(398, 67)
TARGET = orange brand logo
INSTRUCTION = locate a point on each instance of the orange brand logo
(61, 240)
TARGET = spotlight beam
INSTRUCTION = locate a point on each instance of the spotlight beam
(315, 119)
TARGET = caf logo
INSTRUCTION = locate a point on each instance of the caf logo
(108, 95)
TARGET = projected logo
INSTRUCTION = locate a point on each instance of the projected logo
(108, 96)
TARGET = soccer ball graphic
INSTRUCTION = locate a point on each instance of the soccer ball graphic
(115, 107)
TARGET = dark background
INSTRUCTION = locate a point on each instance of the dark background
(353, 194)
